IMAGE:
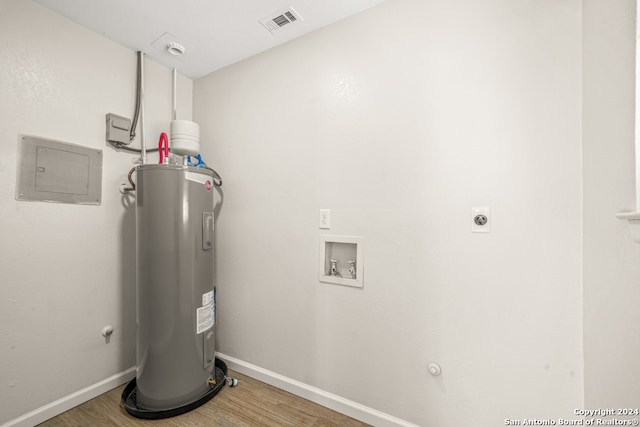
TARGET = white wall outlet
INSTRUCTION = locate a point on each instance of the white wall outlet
(481, 219)
(325, 219)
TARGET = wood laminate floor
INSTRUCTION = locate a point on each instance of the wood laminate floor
(251, 403)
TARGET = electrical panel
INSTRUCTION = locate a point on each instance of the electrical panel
(55, 171)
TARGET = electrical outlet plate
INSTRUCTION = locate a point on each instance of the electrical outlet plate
(481, 219)
(325, 219)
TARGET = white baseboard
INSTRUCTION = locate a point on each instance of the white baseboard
(72, 400)
(321, 397)
(339, 404)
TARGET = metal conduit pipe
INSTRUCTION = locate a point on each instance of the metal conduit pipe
(143, 148)
(136, 112)
(174, 78)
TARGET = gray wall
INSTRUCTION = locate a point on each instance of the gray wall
(66, 271)
(399, 120)
(611, 259)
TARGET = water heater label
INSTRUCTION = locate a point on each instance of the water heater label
(207, 298)
(204, 318)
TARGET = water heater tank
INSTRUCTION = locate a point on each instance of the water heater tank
(176, 365)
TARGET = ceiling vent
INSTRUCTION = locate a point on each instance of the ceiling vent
(281, 19)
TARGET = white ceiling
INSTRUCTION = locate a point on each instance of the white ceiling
(215, 33)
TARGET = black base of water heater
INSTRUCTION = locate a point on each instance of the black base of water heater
(131, 405)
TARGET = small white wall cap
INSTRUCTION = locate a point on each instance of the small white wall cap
(434, 369)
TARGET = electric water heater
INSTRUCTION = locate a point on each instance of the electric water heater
(176, 364)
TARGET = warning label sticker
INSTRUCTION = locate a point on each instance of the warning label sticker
(204, 318)
(207, 298)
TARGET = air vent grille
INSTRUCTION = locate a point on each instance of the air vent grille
(280, 19)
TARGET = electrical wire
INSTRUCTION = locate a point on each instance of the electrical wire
(121, 146)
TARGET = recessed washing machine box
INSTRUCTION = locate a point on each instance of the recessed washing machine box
(340, 260)
(55, 171)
